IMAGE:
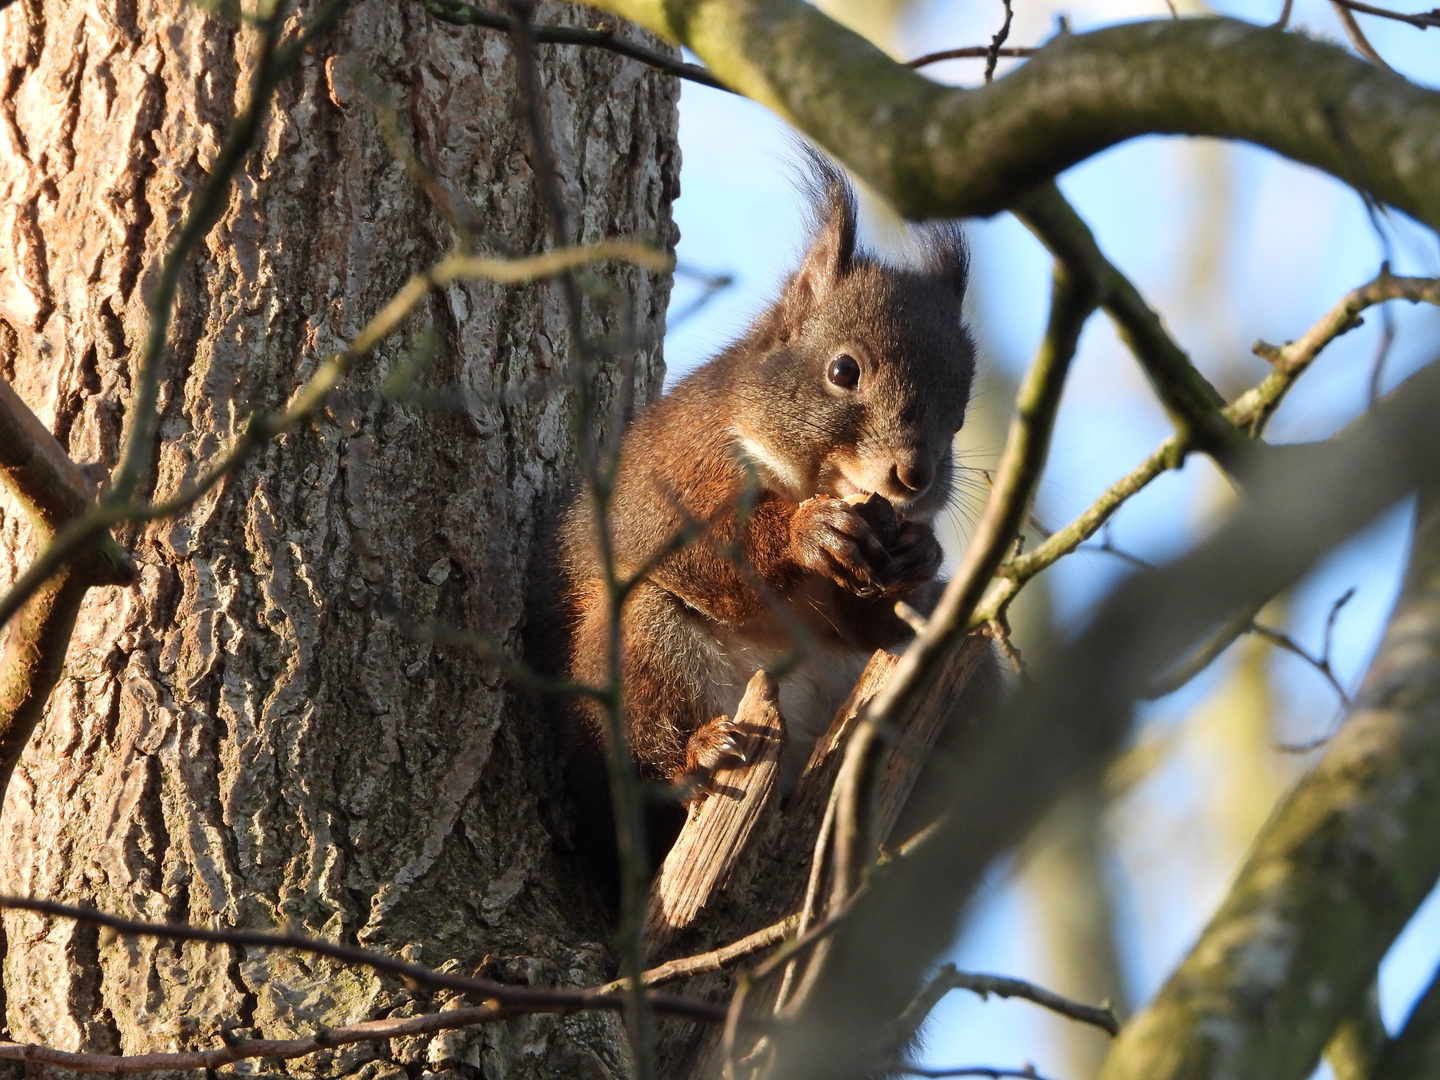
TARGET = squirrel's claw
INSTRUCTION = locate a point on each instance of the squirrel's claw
(714, 746)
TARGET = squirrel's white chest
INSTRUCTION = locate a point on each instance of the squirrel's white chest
(810, 692)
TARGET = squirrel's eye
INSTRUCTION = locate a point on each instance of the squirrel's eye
(844, 371)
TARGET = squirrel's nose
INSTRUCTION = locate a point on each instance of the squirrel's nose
(913, 475)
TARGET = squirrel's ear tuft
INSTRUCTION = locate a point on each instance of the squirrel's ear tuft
(832, 243)
(946, 254)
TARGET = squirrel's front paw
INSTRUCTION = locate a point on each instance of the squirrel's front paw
(833, 538)
(915, 558)
(714, 746)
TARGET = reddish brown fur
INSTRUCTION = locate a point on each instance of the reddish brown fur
(767, 416)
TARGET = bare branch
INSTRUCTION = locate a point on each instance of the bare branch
(972, 52)
(516, 998)
(949, 978)
(1027, 1073)
(1251, 412)
(1195, 407)
(241, 1049)
(598, 470)
(714, 960)
(1254, 408)
(950, 152)
(1206, 654)
(490, 651)
(1071, 717)
(52, 489)
(1357, 36)
(1337, 924)
(711, 285)
(1319, 663)
(600, 37)
(1072, 301)
(1421, 20)
(992, 55)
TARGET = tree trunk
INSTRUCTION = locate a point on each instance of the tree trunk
(248, 737)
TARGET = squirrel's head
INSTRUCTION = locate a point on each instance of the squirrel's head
(857, 378)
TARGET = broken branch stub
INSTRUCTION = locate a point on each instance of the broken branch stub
(719, 824)
(746, 862)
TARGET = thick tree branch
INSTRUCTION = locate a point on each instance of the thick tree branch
(1073, 299)
(1076, 709)
(1414, 1054)
(1331, 880)
(53, 491)
(945, 152)
(1195, 407)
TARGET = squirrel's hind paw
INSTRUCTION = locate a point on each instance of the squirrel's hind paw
(715, 746)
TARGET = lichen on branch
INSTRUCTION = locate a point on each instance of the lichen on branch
(940, 151)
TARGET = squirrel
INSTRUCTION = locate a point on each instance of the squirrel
(810, 456)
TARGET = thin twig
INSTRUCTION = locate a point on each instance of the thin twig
(992, 56)
(1074, 297)
(598, 471)
(999, 630)
(1205, 655)
(711, 286)
(455, 209)
(1107, 546)
(950, 978)
(1284, 20)
(525, 998)
(1027, 1073)
(1357, 36)
(1195, 407)
(490, 651)
(242, 1049)
(1250, 412)
(600, 37)
(1421, 20)
(973, 52)
(1320, 663)
(714, 960)
(1253, 409)
(1382, 352)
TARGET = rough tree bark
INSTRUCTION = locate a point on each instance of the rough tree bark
(246, 738)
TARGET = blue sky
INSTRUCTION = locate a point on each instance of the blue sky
(1231, 244)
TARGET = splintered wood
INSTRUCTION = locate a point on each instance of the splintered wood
(720, 824)
(744, 858)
